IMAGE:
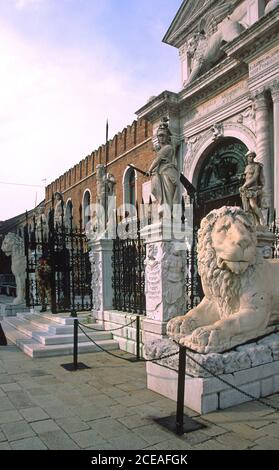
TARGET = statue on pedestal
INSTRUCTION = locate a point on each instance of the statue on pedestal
(241, 300)
(165, 177)
(252, 190)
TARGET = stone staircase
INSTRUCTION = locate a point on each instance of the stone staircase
(46, 335)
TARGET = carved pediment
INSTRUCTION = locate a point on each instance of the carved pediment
(197, 15)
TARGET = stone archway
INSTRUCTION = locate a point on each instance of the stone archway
(220, 176)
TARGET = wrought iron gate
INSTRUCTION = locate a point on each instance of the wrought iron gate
(128, 267)
(65, 250)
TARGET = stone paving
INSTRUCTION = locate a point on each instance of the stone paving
(42, 406)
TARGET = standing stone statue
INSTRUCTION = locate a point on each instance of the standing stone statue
(110, 182)
(58, 210)
(165, 177)
(252, 191)
(13, 246)
(101, 184)
(41, 224)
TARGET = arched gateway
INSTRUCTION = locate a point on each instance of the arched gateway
(219, 177)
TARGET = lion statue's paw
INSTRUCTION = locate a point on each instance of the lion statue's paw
(181, 325)
(203, 339)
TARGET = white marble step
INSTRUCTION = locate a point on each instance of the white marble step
(45, 337)
(50, 323)
(35, 349)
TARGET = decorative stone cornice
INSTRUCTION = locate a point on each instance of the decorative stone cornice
(215, 80)
(162, 105)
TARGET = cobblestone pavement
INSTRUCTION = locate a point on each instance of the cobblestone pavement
(42, 406)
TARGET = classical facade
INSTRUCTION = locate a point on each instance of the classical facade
(228, 105)
(229, 98)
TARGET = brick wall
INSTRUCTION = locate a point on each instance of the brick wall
(132, 145)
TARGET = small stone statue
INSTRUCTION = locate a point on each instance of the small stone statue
(58, 210)
(110, 182)
(101, 184)
(43, 277)
(165, 177)
(252, 191)
(41, 223)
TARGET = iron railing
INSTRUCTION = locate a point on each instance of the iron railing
(65, 249)
(129, 253)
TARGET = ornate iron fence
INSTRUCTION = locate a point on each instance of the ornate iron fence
(64, 248)
(194, 291)
(128, 267)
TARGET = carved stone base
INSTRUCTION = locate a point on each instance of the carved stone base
(253, 368)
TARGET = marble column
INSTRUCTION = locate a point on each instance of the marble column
(263, 137)
(275, 98)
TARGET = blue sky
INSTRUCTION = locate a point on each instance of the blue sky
(65, 66)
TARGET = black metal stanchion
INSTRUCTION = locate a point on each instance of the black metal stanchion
(181, 391)
(138, 337)
(75, 365)
(137, 358)
(75, 350)
(180, 423)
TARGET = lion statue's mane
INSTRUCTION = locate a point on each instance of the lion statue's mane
(241, 295)
(217, 282)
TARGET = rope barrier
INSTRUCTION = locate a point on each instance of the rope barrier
(107, 331)
(124, 358)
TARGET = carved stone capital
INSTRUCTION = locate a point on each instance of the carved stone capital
(259, 98)
(274, 89)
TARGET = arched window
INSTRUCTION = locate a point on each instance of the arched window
(132, 188)
(68, 213)
(86, 207)
(129, 188)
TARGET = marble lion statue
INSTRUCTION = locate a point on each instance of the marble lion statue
(241, 291)
(13, 246)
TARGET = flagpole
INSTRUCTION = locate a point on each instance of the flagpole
(106, 165)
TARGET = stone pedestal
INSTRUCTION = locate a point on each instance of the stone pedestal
(164, 276)
(253, 368)
(265, 241)
(101, 267)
